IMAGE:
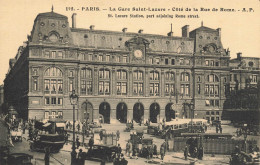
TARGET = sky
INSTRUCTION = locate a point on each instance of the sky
(240, 31)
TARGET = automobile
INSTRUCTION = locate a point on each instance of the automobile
(54, 141)
(16, 136)
(94, 125)
(102, 152)
(17, 159)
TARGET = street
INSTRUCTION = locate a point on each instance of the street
(63, 157)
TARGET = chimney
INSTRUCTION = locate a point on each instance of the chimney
(124, 30)
(170, 34)
(219, 32)
(140, 31)
(239, 55)
(185, 31)
(73, 20)
(92, 27)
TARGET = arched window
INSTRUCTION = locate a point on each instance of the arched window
(154, 83)
(138, 83)
(121, 85)
(104, 82)
(53, 81)
(86, 81)
(169, 83)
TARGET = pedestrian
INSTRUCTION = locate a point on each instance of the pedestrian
(66, 138)
(91, 142)
(47, 155)
(77, 142)
(117, 135)
(162, 152)
(200, 153)
(127, 148)
(186, 152)
(101, 135)
(220, 129)
(119, 149)
(81, 159)
(216, 129)
(78, 127)
(155, 150)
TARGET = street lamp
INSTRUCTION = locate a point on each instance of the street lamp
(191, 107)
(73, 100)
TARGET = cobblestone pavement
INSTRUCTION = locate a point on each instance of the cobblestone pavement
(63, 157)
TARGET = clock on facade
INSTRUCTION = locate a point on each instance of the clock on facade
(138, 53)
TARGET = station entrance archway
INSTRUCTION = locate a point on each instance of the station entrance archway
(121, 112)
(104, 110)
(87, 111)
(154, 112)
(169, 112)
(138, 112)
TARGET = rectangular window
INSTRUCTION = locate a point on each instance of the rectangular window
(89, 73)
(216, 90)
(172, 90)
(151, 89)
(47, 85)
(60, 86)
(47, 54)
(140, 75)
(217, 63)
(207, 62)
(187, 89)
(198, 88)
(53, 54)
(181, 61)
(166, 61)
(60, 114)
(124, 59)
(206, 89)
(90, 57)
(173, 61)
(253, 79)
(211, 63)
(83, 87)
(217, 113)
(211, 102)
(47, 101)
(118, 88)
(211, 89)
(107, 88)
(89, 87)
(182, 89)
(100, 58)
(35, 84)
(150, 60)
(157, 61)
(212, 118)
(60, 101)
(53, 86)
(101, 87)
(70, 85)
(53, 114)
(124, 86)
(135, 88)
(207, 103)
(235, 77)
(83, 73)
(117, 59)
(53, 100)
(216, 103)
(167, 88)
(46, 114)
(212, 113)
(156, 89)
(207, 113)
(59, 54)
(107, 75)
(107, 58)
(217, 118)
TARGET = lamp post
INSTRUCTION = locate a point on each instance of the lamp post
(73, 100)
(191, 107)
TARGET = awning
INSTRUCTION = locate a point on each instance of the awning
(60, 124)
(47, 124)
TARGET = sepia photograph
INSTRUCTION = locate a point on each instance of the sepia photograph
(96, 82)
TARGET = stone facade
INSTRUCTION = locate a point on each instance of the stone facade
(117, 75)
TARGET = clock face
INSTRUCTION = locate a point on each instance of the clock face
(138, 54)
